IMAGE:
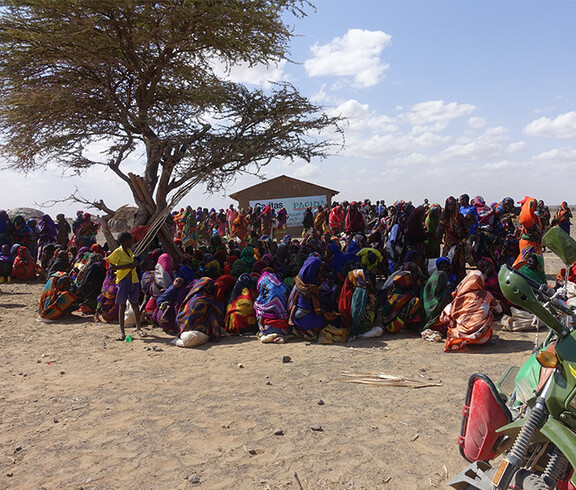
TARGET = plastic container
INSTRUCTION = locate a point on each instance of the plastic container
(128, 338)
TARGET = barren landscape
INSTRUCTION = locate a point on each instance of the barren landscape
(80, 410)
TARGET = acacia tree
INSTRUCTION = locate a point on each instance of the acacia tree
(136, 74)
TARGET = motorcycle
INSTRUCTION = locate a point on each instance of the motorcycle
(529, 416)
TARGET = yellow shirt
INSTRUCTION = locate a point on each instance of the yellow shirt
(120, 257)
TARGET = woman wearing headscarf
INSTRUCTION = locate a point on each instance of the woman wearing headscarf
(267, 220)
(25, 267)
(89, 283)
(543, 213)
(416, 234)
(240, 227)
(453, 228)
(271, 307)
(5, 265)
(320, 220)
(200, 311)
(86, 234)
(488, 268)
(21, 232)
(47, 231)
(281, 219)
(562, 217)
(396, 246)
(432, 243)
(335, 219)
(238, 268)
(216, 244)
(308, 219)
(534, 268)
(107, 309)
(354, 220)
(61, 263)
(247, 255)
(170, 300)
(485, 213)
(470, 314)
(335, 256)
(435, 297)
(357, 303)
(163, 278)
(187, 226)
(531, 238)
(402, 307)
(57, 299)
(306, 314)
(240, 314)
(5, 229)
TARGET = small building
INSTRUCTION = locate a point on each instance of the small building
(123, 219)
(283, 191)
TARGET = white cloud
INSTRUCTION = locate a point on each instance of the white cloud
(434, 115)
(356, 54)
(360, 117)
(486, 146)
(412, 160)
(557, 158)
(307, 171)
(476, 122)
(260, 75)
(549, 108)
(562, 127)
(516, 147)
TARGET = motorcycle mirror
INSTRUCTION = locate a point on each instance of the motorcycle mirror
(547, 359)
(562, 244)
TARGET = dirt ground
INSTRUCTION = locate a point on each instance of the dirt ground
(80, 410)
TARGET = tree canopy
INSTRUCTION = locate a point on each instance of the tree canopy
(136, 74)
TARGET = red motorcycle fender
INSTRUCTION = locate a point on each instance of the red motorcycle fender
(483, 413)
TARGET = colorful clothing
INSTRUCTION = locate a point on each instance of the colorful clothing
(531, 238)
(335, 219)
(402, 308)
(123, 257)
(435, 297)
(562, 217)
(25, 267)
(357, 303)
(304, 303)
(537, 274)
(107, 308)
(470, 314)
(56, 300)
(271, 305)
(200, 310)
(241, 315)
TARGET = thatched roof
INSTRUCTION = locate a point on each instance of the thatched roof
(126, 212)
(26, 213)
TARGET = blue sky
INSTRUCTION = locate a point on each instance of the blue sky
(442, 98)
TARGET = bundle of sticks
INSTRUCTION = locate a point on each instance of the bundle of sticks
(382, 379)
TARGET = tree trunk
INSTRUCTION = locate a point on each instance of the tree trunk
(110, 240)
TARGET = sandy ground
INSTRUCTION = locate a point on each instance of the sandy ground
(80, 410)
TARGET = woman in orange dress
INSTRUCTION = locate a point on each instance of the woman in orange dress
(470, 314)
(240, 227)
(531, 238)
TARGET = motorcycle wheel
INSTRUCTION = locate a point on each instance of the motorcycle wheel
(525, 480)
